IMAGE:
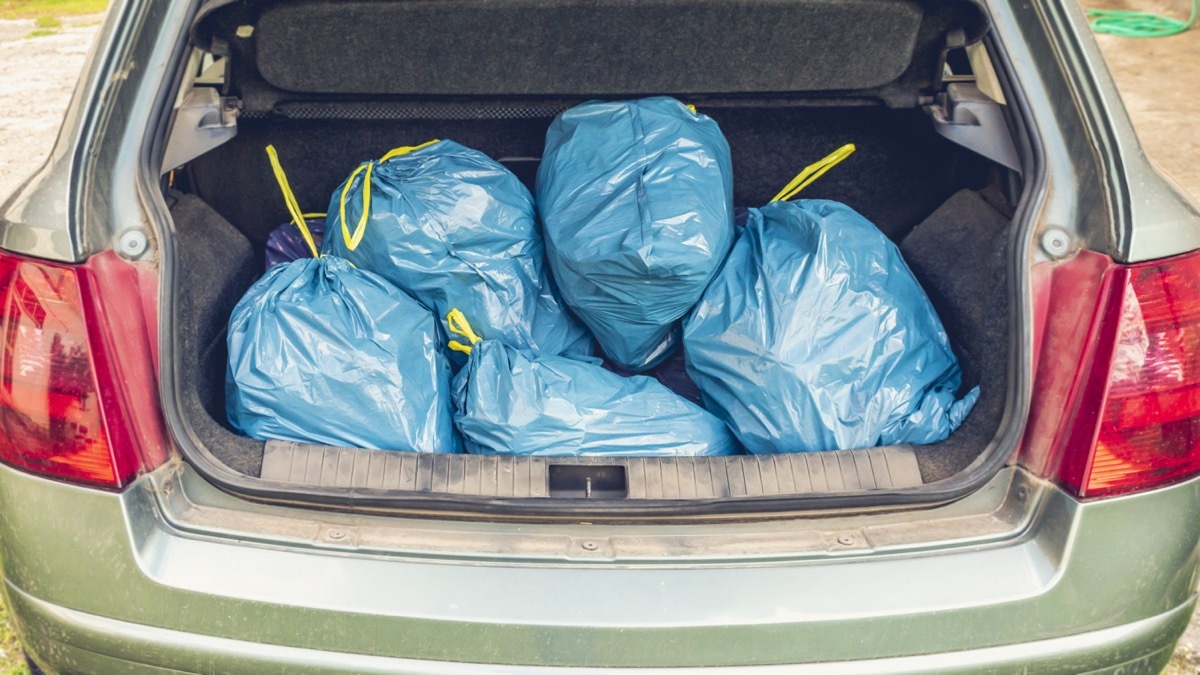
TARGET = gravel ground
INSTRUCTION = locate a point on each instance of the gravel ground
(1158, 79)
(39, 76)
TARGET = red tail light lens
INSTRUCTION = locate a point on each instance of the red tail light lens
(1149, 429)
(54, 419)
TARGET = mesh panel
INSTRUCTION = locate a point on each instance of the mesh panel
(408, 111)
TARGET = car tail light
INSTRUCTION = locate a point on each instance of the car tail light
(61, 412)
(1137, 420)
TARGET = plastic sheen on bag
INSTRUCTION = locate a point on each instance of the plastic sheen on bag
(636, 201)
(512, 402)
(454, 228)
(321, 352)
(816, 336)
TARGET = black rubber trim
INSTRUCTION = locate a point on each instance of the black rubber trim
(306, 465)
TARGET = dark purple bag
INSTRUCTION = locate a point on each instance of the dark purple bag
(286, 243)
(300, 238)
(670, 374)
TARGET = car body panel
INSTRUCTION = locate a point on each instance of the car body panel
(1057, 573)
(174, 574)
(1152, 217)
(98, 644)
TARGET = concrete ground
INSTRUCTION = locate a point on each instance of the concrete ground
(1159, 79)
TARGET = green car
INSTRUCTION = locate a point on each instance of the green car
(1056, 530)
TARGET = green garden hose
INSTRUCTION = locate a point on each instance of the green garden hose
(1127, 23)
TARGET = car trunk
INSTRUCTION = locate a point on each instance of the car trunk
(950, 209)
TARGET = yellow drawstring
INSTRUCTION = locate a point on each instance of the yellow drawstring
(459, 326)
(352, 240)
(404, 150)
(361, 228)
(692, 108)
(812, 172)
(290, 199)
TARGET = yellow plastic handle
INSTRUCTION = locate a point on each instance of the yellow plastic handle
(406, 149)
(813, 171)
(290, 199)
(458, 324)
(352, 239)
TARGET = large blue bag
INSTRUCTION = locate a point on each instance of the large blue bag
(636, 200)
(454, 228)
(321, 352)
(512, 402)
(816, 336)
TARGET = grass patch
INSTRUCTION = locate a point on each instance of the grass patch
(12, 661)
(33, 9)
(47, 22)
(41, 32)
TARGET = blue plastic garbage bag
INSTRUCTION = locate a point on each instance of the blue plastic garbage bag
(454, 228)
(286, 243)
(636, 200)
(816, 336)
(512, 402)
(321, 352)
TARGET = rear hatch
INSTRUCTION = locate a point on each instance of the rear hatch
(332, 83)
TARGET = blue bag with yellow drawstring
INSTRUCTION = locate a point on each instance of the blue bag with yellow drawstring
(454, 228)
(636, 201)
(816, 336)
(512, 402)
(321, 352)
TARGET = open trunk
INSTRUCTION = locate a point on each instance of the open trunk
(951, 210)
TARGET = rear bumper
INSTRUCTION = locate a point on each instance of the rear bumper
(101, 581)
(97, 644)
